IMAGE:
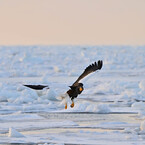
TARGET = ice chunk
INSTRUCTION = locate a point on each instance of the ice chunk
(14, 133)
(100, 108)
(103, 108)
(138, 105)
(57, 69)
(142, 126)
(142, 85)
(50, 95)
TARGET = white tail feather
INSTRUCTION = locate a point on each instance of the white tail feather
(63, 98)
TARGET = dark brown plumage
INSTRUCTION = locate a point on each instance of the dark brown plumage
(77, 87)
(75, 91)
(91, 68)
(36, 87)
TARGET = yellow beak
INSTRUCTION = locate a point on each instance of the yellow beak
(81, 89)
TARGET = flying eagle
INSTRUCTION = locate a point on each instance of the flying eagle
(76, 88)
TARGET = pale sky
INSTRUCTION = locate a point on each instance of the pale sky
(75, 22)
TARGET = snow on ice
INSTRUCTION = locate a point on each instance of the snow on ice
(109, 111)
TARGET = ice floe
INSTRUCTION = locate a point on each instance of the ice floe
(14, 133)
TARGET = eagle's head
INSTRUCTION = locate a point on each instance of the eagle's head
(77, 88)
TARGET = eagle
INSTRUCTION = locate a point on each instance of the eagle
(76, 88)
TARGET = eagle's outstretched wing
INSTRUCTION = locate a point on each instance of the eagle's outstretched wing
(91, 68)
(36, 87)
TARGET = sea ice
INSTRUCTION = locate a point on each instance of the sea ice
(118, 89)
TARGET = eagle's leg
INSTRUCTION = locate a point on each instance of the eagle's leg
(66, 106)
(72, 105)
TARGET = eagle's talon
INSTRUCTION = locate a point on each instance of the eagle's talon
(65, 106)
(72, 105)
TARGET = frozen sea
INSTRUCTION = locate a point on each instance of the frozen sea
(111, 109)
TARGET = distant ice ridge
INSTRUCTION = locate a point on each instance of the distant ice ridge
(30, 61)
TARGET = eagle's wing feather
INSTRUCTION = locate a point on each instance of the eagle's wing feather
(91, 68)
(36, 87)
